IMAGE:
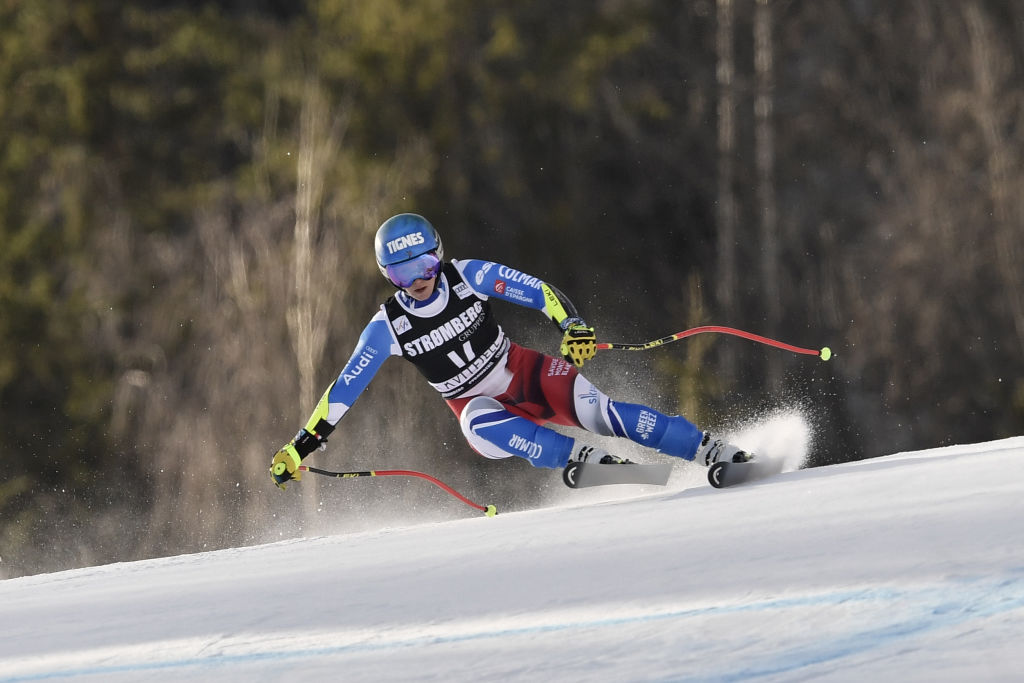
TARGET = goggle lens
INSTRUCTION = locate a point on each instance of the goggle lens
(423, 267)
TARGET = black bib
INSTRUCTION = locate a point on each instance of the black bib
(455, 348)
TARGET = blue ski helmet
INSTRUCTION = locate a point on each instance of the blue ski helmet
(404, 237)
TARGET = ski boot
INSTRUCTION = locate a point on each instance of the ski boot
(712, 450)
(595, 454)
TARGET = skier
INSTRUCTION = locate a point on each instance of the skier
(502, 393)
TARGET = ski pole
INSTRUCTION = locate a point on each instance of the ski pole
(825, 353)
(488, 510)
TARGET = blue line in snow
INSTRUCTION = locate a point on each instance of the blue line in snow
(937, 608)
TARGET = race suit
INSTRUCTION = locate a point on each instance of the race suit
(501, 392)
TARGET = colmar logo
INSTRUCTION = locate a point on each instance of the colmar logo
(516, 277)
(530, 448)
(405, 241)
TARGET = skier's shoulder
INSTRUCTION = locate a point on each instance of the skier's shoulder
(479, 273)
(468, 273)
(378, 332)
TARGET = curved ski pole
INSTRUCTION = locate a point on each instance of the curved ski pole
(824, 353)
(488, 510)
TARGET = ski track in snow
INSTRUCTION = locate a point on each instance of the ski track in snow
(908, 567)
(934, 610)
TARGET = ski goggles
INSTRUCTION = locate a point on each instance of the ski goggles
(423, 267)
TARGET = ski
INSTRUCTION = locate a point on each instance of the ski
(578, 475)
(725, 474)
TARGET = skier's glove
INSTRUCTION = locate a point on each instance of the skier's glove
(286, 461)
(579, 343)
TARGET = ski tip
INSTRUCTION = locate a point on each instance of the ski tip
(716, 475)
(569, 475)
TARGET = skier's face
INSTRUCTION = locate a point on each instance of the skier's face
(420, 290)
(416, 276)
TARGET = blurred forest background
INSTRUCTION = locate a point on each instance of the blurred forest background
(189, 191)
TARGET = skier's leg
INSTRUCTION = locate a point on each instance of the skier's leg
(669, 434)
(546, 388)
(494, 432)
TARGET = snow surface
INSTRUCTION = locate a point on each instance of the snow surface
(908, 567)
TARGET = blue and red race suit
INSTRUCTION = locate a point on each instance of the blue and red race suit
(455, 341)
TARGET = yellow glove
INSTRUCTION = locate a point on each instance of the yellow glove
(286, 461)
(579, 343)
(285, 466)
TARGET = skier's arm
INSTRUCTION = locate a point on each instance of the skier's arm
(375, 344)
(491, 279)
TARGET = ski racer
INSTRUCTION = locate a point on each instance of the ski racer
(503, 394)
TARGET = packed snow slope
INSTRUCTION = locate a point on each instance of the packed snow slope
(908, 567)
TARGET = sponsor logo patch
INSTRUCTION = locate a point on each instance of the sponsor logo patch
(358, 363)
(558, 367)
(531, 449)
(405, 241)
(645, 424)
(479, 277)
(590, 397)
(517, 294)
(402, 325)
(517, 277)
(461, 327)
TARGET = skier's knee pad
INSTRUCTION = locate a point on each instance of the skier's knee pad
(496, 433)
